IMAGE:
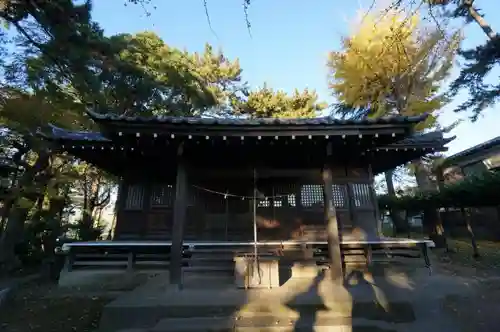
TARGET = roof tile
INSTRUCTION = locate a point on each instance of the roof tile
(393, 119)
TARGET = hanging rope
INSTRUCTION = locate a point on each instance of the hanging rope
(256, 255)
(254, 198)
(227, 194)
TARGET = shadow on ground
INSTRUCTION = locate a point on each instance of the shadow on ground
(386, 299)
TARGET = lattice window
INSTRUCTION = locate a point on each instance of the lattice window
(339, 196)
(135, 197)
(311, 195)
(162, 195)
(263, 202)
(361, 195)
(284, 195)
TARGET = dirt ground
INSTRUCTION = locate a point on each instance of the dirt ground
(479, 312)
(42, 307)
(31, 312)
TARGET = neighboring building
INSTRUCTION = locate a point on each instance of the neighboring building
(477, 159)
(226, 176)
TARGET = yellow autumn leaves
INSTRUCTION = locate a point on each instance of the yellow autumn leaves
(382, 59)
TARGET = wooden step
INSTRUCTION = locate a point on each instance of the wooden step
(207, 268)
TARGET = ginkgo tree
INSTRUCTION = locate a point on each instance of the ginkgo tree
(392, 64)
(478, 73)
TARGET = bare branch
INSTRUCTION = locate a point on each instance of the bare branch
(246, 5)
(209, 21)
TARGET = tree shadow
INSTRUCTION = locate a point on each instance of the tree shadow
(362, 303)
(308, 313)
(378, 298)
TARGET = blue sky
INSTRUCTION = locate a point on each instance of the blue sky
(288, 45)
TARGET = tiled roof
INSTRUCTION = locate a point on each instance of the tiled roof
(59, 133)
(432, 138)
(323, 121)
(477, 149)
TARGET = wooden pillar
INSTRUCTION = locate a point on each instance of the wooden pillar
(332, 228)
(146, 208)
(180, 205)
(121, 200)
(373, 195)
(351, 204)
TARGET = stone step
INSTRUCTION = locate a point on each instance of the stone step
(164, 318)
(223, 324)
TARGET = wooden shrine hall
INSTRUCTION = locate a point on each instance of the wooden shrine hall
(247, 180)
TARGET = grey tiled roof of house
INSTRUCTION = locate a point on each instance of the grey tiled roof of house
(494, 142)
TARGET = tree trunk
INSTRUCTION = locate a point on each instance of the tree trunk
(474, 15)
(432, 217)
(433, 226)
(466, 216)
(389, 175)
(7, 206)
(405, 218)
(37, 215)
(87, 220)
(90, 204)
(51, 269)
(20, 209)
(399, 223)
(9, 202)
(422, 176)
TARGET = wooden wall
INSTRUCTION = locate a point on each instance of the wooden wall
(220, 208)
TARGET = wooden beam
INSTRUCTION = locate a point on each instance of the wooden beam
(179, 220)
(254, 131)
(332, 228)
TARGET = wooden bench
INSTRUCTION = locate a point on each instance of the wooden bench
(118, 254)
(131, 254)
(376, 250)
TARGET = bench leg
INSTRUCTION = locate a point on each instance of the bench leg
(368, 255)
(68, 262)
(427, 260)
(130, 261)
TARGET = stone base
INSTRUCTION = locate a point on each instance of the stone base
(306, 269)
(263, 273)
(387, 299)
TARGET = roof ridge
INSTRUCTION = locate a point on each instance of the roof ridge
(325, 120)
